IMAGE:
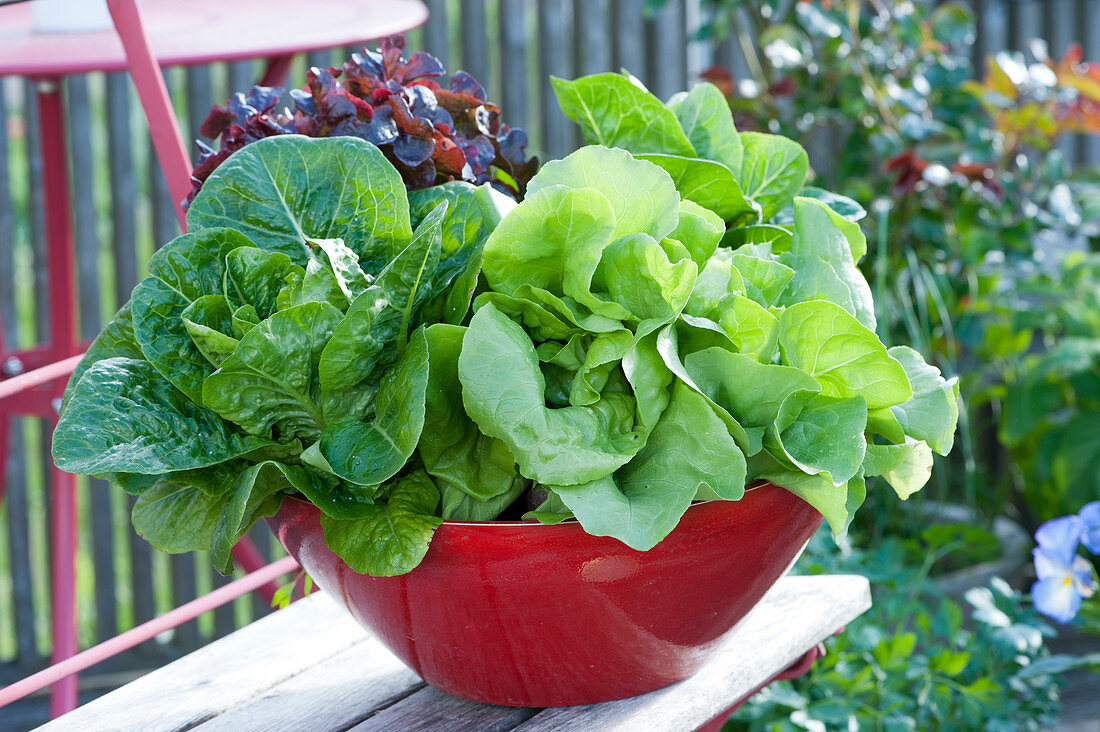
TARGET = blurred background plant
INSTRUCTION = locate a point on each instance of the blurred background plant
(914, 661)
(973, 214)
(982, 243)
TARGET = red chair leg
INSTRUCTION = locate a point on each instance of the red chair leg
(63, 539)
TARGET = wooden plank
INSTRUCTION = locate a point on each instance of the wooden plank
(311, 666)
(555, 23)
(629, 38)
(370, 678)
(667, 58)
(225, 674)
(436, 39)
(515, 50)
(811, 608)
(475, 43)
(431, 709)
(593, 34)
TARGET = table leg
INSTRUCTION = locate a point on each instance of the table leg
(276, 70)
(63, 539)
(62, 287)
(59, 229)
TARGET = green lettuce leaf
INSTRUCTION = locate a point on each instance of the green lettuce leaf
(267, 385)
(614, 111)
(369, 453)
(933, 411)
(503, 392)
(773, 171)
(209, 321)
(823, 255)
(283, 191)
(163, 431)
(453, 450)
(709, 184)
(394, 536)
(373, 333)
(847, 359)
(689, 451)
(176, 517)
(906, 467)
(704, 115)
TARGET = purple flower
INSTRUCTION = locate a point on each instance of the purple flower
(1064, 579)
(1090, 532)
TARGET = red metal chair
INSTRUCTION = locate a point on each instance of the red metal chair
(32, 381)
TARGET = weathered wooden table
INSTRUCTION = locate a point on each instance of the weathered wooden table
(310, 667)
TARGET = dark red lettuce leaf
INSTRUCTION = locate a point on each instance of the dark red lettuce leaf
(431, 134)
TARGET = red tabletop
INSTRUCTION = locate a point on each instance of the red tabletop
(201, 31)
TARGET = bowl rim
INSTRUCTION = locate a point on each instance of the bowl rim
(535, 524)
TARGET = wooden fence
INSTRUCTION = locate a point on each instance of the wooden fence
(122, 211)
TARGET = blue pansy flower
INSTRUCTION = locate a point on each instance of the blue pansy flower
(1064, 578)
(1090, 534)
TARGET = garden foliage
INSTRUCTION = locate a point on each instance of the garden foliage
(913, 662)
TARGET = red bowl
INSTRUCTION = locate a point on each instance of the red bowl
(522, 614)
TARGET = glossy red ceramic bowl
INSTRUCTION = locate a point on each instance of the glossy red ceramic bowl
(523, 614)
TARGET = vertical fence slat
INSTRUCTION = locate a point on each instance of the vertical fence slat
(1091, 44)
(7, 234)
(19, 555)
(699, 54)
(200, 97)
(593, 52)
(15, 478)
(242, 75)
(515, 51)
(35, 215)
(1061, 27)
(261, 538)
(123, 186)
(86, 243)
(629, 37)
(667, 60)
(42, 302)
(475, 43)
(124, 192)
(1028, 23)
(436, 41)
(555, 24)
(992, 31)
